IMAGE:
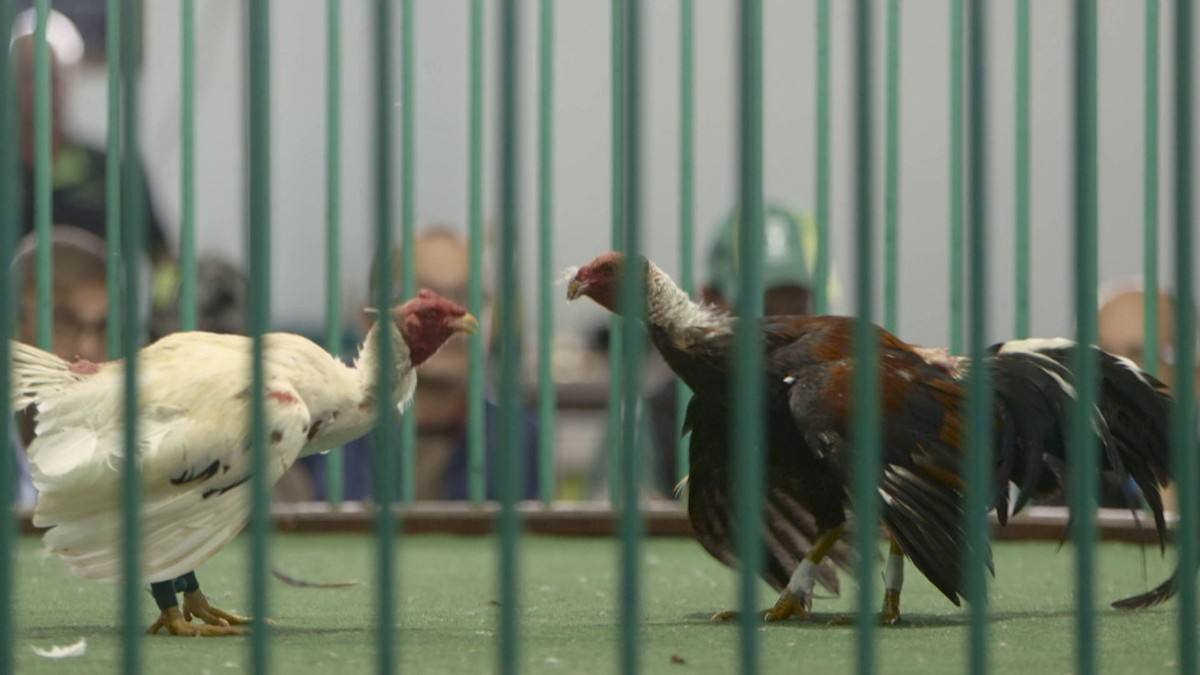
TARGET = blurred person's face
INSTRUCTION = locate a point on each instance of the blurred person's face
(80, 321)
(1121, 331)
(777, 301)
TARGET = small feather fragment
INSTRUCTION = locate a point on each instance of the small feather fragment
(300, 583)
(63, 652)
(677, 659)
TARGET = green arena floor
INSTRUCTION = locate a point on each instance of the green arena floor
(569, 612)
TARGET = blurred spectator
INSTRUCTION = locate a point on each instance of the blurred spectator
(78, 189)
(442, 264)
(221, 289)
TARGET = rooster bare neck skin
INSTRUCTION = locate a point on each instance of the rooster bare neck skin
(670, 309)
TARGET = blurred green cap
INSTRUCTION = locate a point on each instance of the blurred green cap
(789, 251)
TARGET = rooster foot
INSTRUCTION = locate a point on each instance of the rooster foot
(788, 605)
(195, 603)
(172, 619)
(889, 616)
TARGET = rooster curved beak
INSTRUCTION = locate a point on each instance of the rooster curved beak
(576, 288)
(466, 323)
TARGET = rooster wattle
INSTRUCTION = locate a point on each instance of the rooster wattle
(194, 441)
(808, 385)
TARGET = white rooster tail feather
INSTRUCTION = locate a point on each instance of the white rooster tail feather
(37, 375)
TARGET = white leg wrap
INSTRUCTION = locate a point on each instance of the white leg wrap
(893, 575)
(802, 582)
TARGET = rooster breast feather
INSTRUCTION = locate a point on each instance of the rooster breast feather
(193, 456)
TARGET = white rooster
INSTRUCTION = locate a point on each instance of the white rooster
(194, 441)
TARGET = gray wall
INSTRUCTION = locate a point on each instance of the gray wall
(582, 213)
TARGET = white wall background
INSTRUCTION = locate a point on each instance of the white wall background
(582, 135)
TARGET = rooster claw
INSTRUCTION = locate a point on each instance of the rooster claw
(789, 605)
(172, 620)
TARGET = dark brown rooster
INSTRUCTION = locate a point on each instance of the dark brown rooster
(808, 384)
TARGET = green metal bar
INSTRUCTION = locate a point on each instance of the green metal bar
(1021, 117)
(43, 175)
(891, 239)
(477, 388)
(187, 224)
(615, 346)
(747, 427)
(687, 202)
(1082, 443)
(508, 637)
(1150, 195)
(334, 461)
(1183, 419)
(865, 433)
(824, 131)
(384, 441)
(112, 176)
(979, 403)
(546, 288)
(956, 176)
(632, 300)
(10, 196)
(383, 465)
(132, 248)
(258, 49)
(408, 224)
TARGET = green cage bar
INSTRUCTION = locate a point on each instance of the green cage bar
(334, 461)
(824, 132)
(383, 466)
(747, 427)
(408, 223)
(891, 200)
(508, 636)
(1183, 419)
(9, 210)
(258, 222)
(865, 432)
(979, 398)
(615, 346)
(687, 202)
(632, 303)
(1150, 194)
(547, 292)
(43, 175)
(476, 386)
(132, 248)
(187, 220)
(112, 175)
(956, 176)
(1021, 119)
(1081, 442)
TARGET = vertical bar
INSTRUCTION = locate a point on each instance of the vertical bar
(1021, 118)
(112, 175)
(408, 173)
(476, 466)
(956, 176)
(383, 466)
(687, 172)
(334, 461)
(187, 225)
(133, 246)
(891, 241)
(1082, 447)
(43, 174)
(510, 346)
(632, 303)
(546, 288)
(865, 433)
(10, 196)
(258, 49)
(979, 405)
(1150, 195)
(824, 131)
(615, 347)
(749, 465)
(1183, 419)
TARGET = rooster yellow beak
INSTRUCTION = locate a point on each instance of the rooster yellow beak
(575, 288)
(466, 323)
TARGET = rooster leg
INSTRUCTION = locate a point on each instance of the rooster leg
(180, 623)
(893, 580)
(796, 599)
